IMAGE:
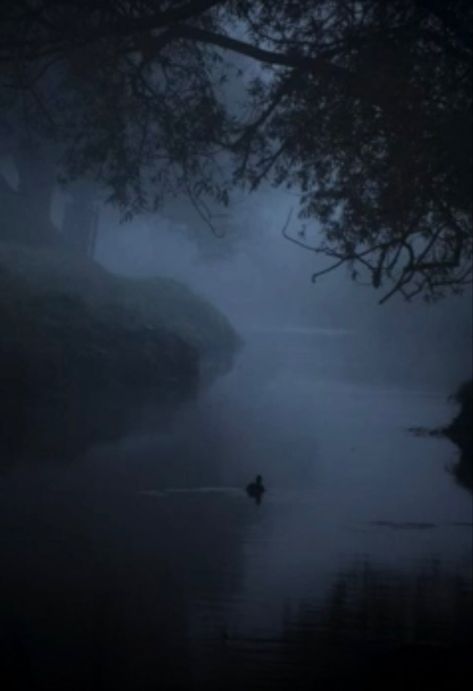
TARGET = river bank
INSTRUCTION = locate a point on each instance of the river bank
(83, 350)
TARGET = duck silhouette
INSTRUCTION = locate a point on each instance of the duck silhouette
(256, 489)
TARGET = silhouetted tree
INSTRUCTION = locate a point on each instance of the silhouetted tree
(365, 107)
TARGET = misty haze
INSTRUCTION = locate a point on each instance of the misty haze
(236, 347)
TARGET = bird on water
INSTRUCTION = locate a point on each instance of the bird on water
(256, 489)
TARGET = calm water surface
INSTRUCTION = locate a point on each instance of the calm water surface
(145, 565)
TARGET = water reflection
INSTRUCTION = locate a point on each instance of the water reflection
(42, 426)
(146, 566)
(374, 628)
(96, 589)
(179, 589)
(386, 627)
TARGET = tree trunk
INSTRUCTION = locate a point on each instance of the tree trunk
(36, 173)
(81, 218)
(26, 209)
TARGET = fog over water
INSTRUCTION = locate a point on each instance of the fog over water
(263, 283)
(151, 564)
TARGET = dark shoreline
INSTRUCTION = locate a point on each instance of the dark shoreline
(85, 353)
(460, 432)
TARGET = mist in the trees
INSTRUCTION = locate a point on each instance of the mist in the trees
(263, 283)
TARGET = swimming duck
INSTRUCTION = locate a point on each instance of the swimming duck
(256, 489)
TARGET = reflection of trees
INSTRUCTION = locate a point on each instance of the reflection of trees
(386, 628)
(126, 592)
(96, 592)
(460, 432)
(378, 628)
(50, 426)
(56, 409)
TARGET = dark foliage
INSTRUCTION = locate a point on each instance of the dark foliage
(365, 108)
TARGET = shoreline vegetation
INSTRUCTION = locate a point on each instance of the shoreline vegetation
(460, 432)
(84, 351)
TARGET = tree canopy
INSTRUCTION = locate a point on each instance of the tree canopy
(362, 107)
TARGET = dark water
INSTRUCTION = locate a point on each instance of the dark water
(145, 566)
